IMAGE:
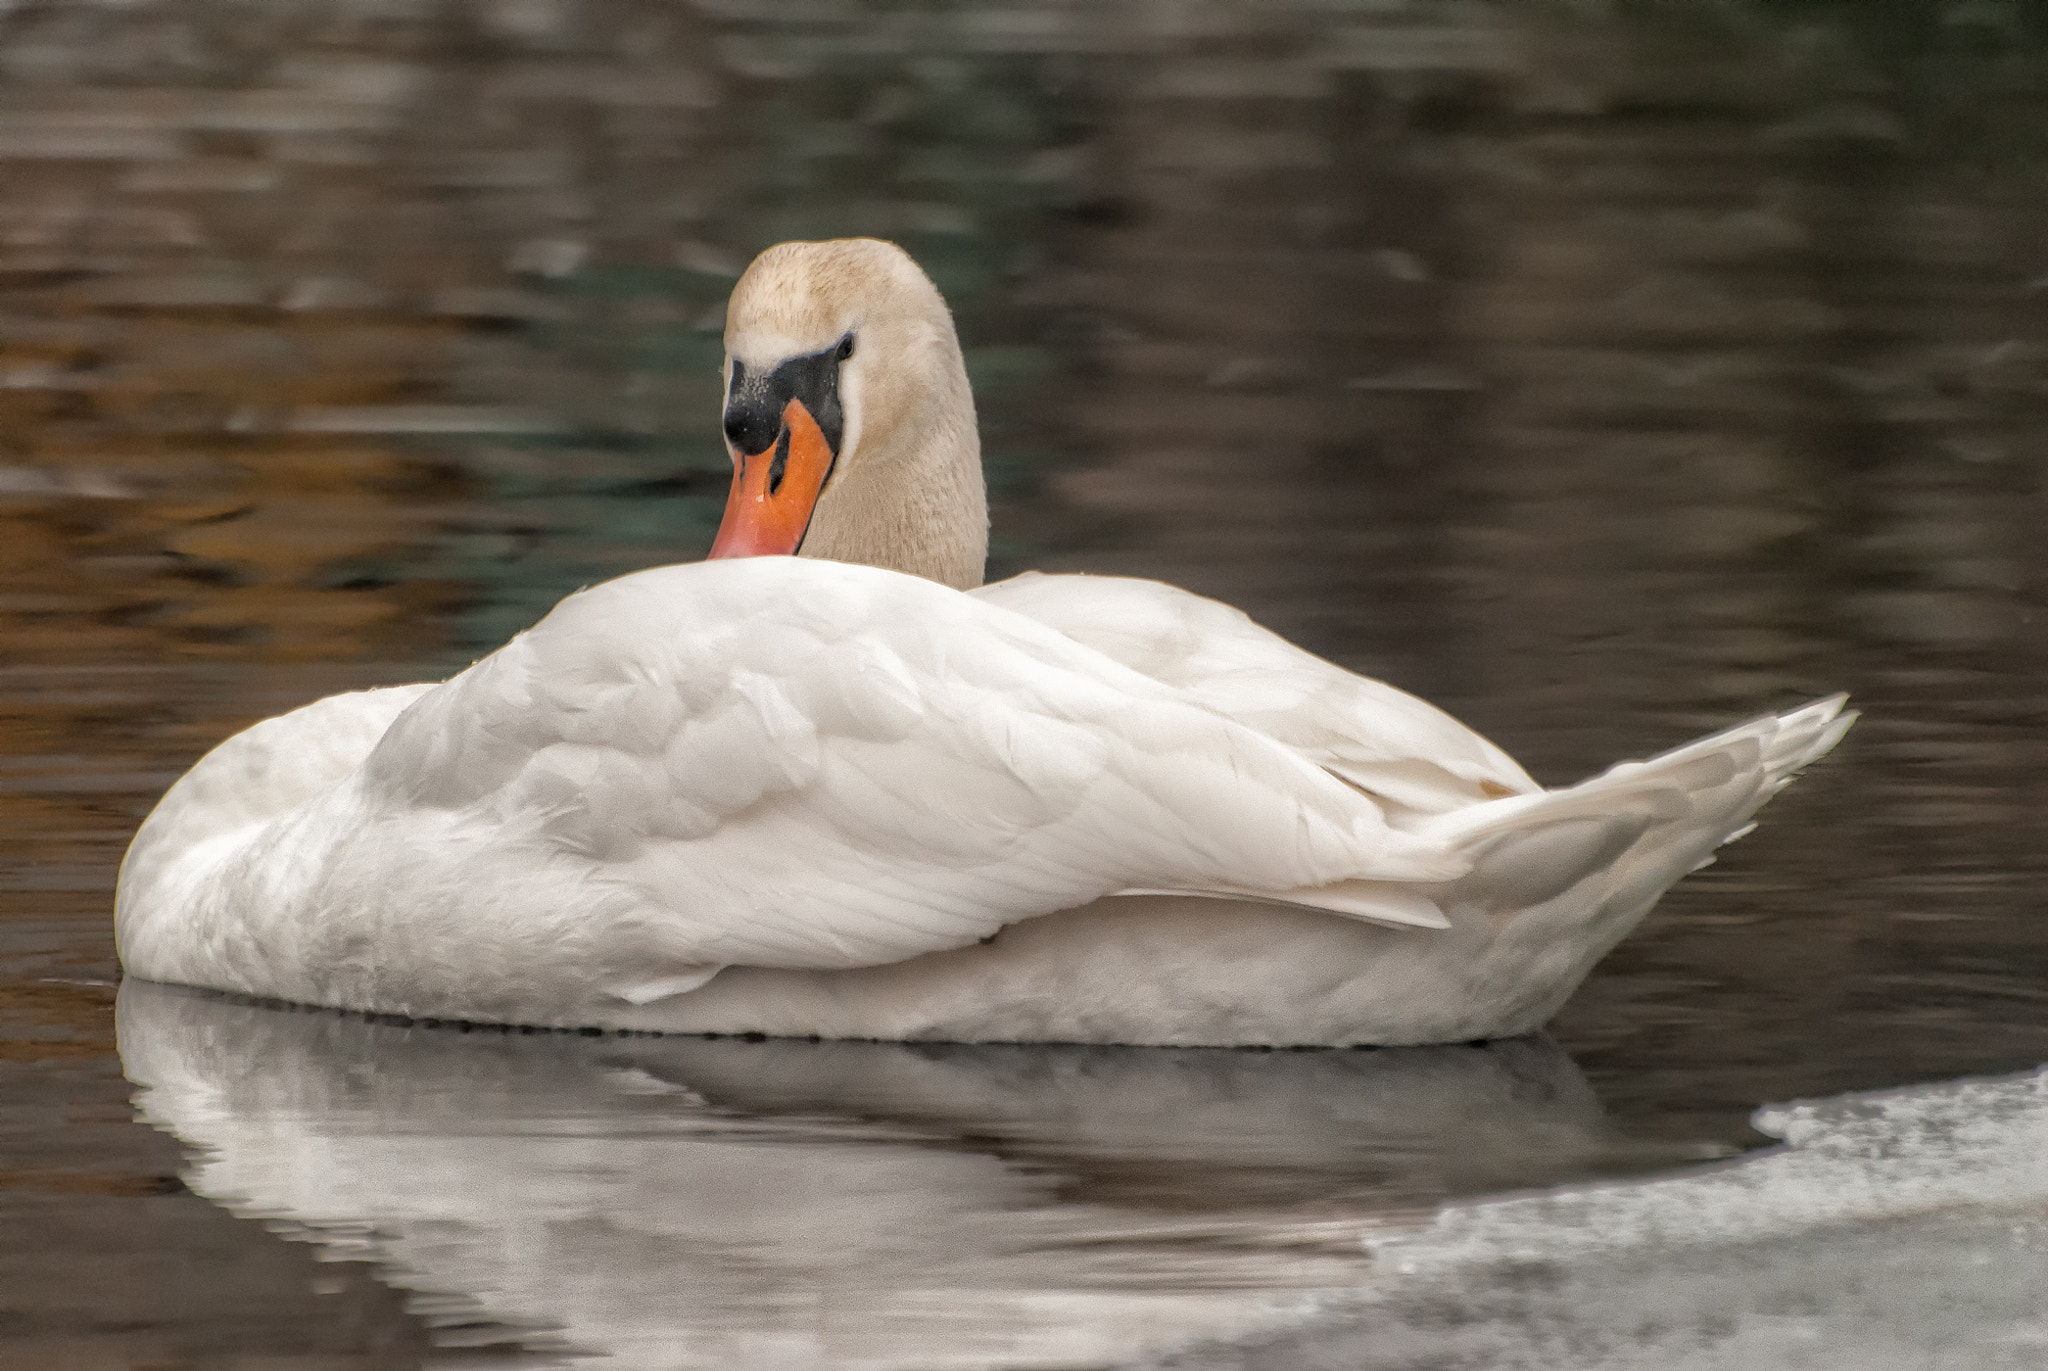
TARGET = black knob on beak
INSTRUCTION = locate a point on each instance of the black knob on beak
(754, 403)
(753, 411)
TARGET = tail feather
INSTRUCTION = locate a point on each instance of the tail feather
(1641, 824)
(1648, 822)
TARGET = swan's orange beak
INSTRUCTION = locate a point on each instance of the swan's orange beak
(775, 490)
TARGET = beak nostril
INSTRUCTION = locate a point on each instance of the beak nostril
(781, 462)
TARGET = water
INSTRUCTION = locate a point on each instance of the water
(1905, 1229)
(1602, 372)
(678, 1202)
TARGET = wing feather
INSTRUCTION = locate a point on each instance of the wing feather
(769, 762)
(1402, 750)
(1014, 766)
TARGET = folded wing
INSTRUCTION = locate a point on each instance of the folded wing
(785, 763)
(1408, 754)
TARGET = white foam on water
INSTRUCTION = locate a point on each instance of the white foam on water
(1900, 1230)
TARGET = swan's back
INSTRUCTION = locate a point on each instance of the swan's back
(769, 762)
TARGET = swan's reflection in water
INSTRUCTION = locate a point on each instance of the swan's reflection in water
(685, 1202)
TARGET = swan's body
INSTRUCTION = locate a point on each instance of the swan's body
(795, 796)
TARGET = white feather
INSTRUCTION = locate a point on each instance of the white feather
(807, 769)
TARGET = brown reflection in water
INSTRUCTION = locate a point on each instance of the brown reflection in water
(125, 541)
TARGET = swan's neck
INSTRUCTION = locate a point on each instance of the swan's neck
(911, 498)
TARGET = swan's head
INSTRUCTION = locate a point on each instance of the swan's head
(848, 415)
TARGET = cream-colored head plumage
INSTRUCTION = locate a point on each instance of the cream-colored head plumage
(906, 492)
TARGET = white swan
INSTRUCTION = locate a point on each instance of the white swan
(848, 794)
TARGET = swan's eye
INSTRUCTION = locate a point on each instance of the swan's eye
(845, 347)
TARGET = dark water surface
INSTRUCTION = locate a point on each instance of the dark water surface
(1603, 372)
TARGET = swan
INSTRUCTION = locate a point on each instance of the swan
(826, 783)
